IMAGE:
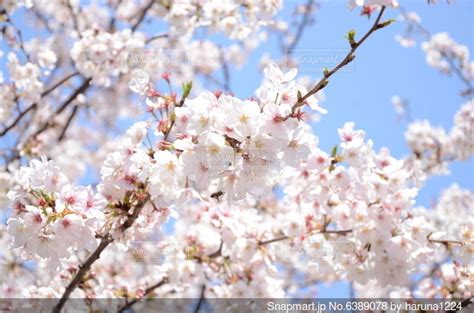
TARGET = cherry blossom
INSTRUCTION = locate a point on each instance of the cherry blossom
(132, 170)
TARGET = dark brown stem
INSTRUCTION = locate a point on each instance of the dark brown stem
(142, 15)
(149, 290)
(301, 27)
(84, 268)
(156, 37)
(341, 232)
(68, 123)
(59, 83)
(348, 59)
(34, 105)
(105, 241)
(201, 299)
(217, 253)
(225, 72)
(266, 242)
(446, 242)
(17, 120)
(81, 89)
(74, 18)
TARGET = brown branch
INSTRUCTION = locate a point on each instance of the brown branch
(165, 35)
(68, 123)
(458, 73)
(17, 120)
(201, 299)
(84, 268)
(142, 15)
(20, 38)
(301, 27)
(136, 211)
(81, 89)
(266, 242)
(341, 232)
(34, 105)
(427, 34)
(216, 253)
(59, 83)
(348, 59)
(225, 71)
(104, 243)
(74, 18)
(446, 242)
(149, 290)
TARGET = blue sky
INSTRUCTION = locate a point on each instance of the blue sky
(381, 69)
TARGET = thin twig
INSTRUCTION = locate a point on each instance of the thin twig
(446, 242)
(142, 15)
(59, 83)
(34, 105)
(68, 123)
(165, 35)
(149, 290)
(20, 38)
(17, 120)
(225, 71)
(83, 269)
(81, 89)
(349, 58)
(301, 27)
(74, 18)
(427, 34)
(201, 299)
(341, 232)
(105, 241)
(266, 242)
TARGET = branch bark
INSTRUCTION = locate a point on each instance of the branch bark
(341, 232)
(104, 243)
(149, 290)
(34, 105)
(348, 59)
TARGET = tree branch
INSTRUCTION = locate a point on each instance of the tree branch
(105, 241)
(81, 89)
(83, 269)
(68, 123)
(142, 15)
(34, 105)
(301, 27)
(349, 58)
(201, 299)
(165, 35)
(341, 232)
(149, 290)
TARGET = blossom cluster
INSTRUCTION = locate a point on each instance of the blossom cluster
(100, 55)
(236, 19)
(433, 147)
(52, 217)
(207, 194)
(370, 4)
(441, 47)
(225, 143)
(26, 79)
(368, 201)
(452, 216)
